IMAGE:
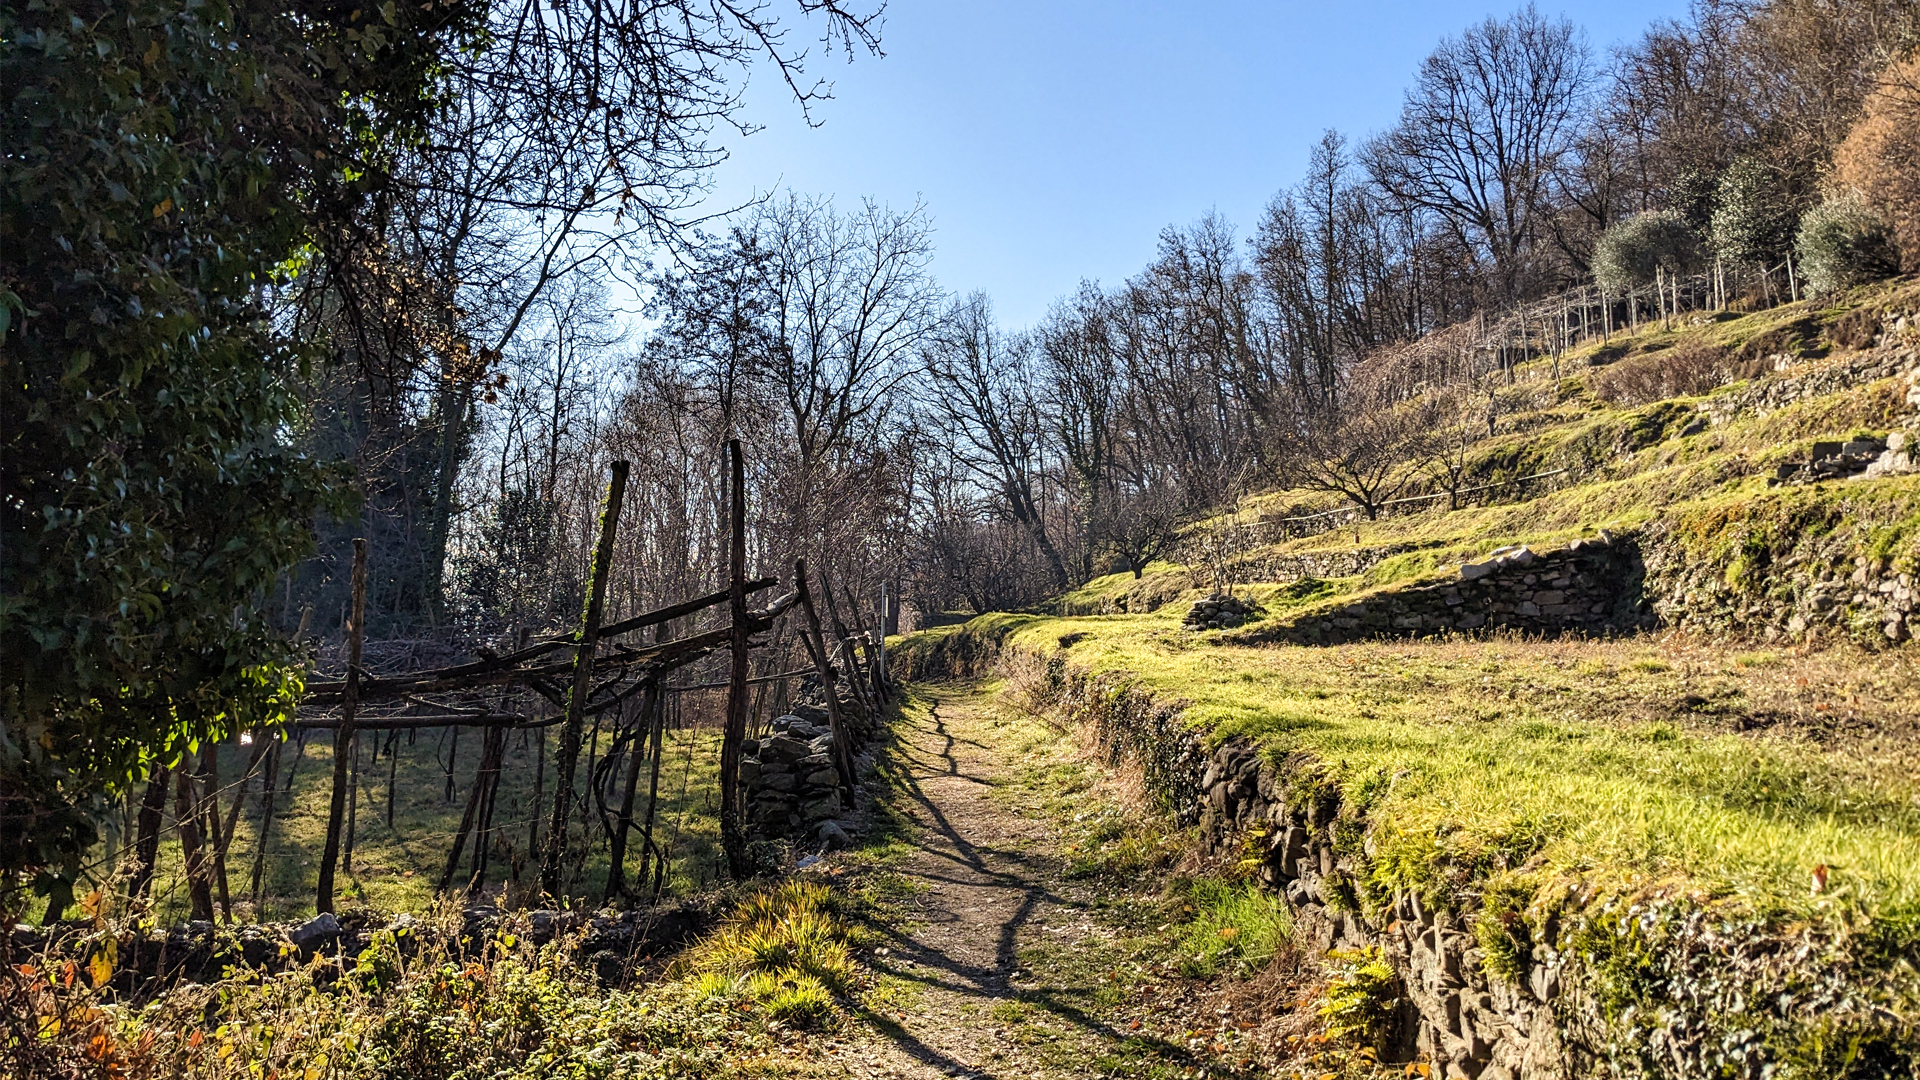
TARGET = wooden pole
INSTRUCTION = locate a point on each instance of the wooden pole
(233, 822)
(647, 848)
(271, 788)
(840, 635)
(343, 735)
(732, 837)
(494, 749)
(617, 856)
(207, 805)
(467, 819)
(817, 648)
(353, 800)
(550, 867)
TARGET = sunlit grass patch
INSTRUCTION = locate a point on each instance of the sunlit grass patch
(1620, 751)
(1226, 927)
(788, 931)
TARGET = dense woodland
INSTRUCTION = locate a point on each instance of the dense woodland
(436, 265)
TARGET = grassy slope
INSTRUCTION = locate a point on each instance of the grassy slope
(1665, 758)
(1628, 467)
(1464, 747)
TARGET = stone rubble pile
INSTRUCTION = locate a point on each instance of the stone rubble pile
(791, 781)
(1219, 612)
(1867, 457)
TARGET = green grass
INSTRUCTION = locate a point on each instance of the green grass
(1228, 926)
(1625, 467)
(397, 868)
(1460, 744)
(1456, 746)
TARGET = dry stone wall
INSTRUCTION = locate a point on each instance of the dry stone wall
(1642, 986)
(792, 785)
(1709, 994)
(1453, 1014)
(1590, 586)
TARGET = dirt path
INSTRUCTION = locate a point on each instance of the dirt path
(991, 903)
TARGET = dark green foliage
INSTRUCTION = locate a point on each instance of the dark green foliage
(1629, 254)
(1755, 215)
(169, 164)
(505, 576)
(1693, 194)
(1844, 242)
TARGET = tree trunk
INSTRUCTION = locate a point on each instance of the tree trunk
(453, 418)
(146, 848)
(186, 812)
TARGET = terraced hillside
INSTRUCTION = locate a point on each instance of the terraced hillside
(1675, 833)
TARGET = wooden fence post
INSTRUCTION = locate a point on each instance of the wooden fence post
(647, 849)
(343, 735)
(550, 867)
(732, 838)
(617, 855)
(817, 649)
(270, 788)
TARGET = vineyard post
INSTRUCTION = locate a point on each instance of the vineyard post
(343, 735)
(550, 866)
(735, 731)
(817, 649)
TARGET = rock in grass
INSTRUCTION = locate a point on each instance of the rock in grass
(316, 933)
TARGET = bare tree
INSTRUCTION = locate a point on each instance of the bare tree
(1488, 121)
(1364, 451)
(980, 389)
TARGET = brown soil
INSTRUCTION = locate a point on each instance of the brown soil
(987, 880)
(1008, 967)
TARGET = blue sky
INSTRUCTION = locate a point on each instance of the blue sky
(1052, 141)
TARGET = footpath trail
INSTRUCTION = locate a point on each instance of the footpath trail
(992, 901)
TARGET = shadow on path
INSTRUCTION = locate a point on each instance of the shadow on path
(987, 873)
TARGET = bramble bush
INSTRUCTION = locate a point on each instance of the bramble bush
(1692, 367)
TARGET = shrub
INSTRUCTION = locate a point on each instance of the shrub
(1843, 243)
(1755, 215)
(783, 949)
(1691, 367)
(1630, 252)
(1880, 158)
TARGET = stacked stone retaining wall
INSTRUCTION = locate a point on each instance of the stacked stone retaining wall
(1590, 586)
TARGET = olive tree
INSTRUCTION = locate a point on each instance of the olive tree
(1844, 242)
(1635, 252)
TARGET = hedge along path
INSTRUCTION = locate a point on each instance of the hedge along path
(990, 885)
